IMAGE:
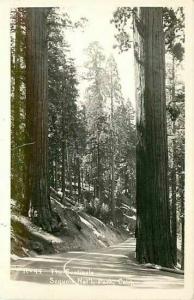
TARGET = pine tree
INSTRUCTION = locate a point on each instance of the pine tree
(125, 156)
(174, 28)
(114, 95)
(62, 94)
(95, 112)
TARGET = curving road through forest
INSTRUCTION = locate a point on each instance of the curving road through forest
(114, 265)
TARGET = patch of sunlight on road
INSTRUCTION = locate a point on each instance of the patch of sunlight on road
(41, 259)
(102, 254)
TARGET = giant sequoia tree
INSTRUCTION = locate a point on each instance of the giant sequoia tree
(36, 117)
(149, 50)
(153, 218)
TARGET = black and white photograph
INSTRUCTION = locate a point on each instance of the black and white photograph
(99, 196)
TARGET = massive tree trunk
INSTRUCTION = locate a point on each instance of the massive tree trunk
(37, 117)
(153, 217)
(17, 79)
(16, 103)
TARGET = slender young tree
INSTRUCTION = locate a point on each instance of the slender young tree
(37, 117)
(113, 92)
(173, 178)
(152, 200)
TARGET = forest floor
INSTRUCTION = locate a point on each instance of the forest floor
(79, 232)
(112, 266)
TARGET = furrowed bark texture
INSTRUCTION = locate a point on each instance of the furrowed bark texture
(16, 108)
(37, 117)
(153, 218)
